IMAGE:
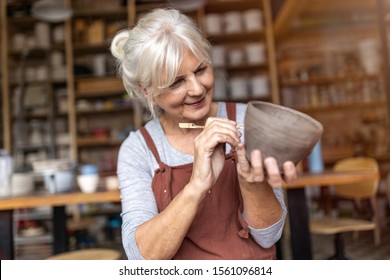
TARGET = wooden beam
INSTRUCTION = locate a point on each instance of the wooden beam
(7, 129)
(382, 26)
(287, 13)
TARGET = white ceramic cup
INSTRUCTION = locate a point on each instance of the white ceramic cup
(233, 22)
(22, 183)
(236, 56)
(213, 24)
(218, 56)
(99, 65)
(42, 34)
(238, 87)
(88, 183)
(253, 20)
(255, 53)
(220, 91)
(112, 183)
(259, 86)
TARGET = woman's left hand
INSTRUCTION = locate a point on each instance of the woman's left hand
(263, 171)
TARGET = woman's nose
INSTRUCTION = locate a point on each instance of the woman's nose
(194, 86)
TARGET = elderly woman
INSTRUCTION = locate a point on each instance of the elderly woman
(190, 193)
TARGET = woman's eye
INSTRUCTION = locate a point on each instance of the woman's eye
(176, 83)
(200, 70)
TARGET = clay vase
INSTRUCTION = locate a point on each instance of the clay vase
(280, 132)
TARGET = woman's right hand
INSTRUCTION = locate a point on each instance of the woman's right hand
(209, 154)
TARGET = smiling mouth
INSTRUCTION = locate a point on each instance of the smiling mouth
(196, 104)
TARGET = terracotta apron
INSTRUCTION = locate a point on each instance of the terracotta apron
(218, 230)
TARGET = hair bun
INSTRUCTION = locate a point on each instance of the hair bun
(118, 43)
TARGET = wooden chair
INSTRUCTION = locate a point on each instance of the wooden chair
(357, 192)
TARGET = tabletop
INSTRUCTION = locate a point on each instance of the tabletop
(330, 178)
(59, 199)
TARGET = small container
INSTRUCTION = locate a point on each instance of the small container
(60, 181)
(213, 23)
(88, 183)
(259, 86)
(22, 183)
(6, 169)
(112, 183)
(233, 22)
(238, 87)
(255, 53)
(88, 169)
(218, 56)
(253, 20)
(236, 56)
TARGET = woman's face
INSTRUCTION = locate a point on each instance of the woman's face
(189, 98)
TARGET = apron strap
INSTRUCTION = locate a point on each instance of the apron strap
(150, 143)
(231, 110)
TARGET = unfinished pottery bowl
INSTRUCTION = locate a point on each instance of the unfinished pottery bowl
(280, 132)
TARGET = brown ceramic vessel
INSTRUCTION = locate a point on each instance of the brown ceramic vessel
(280, 132)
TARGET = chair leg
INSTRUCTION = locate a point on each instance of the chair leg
(339, 248)
(377, 219)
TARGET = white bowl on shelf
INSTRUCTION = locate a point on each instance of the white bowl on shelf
(88, 183)
(59, 181)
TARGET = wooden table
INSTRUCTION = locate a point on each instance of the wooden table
(58, 202)
(297, 205)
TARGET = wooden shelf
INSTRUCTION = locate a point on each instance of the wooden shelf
(231, 5)
(99, 86)
(245, 68)
(341, 107)
(234, 38)
(116, 13)
(14, 83)
(328, 80)
(96, 142)
(121, 109)
(88, 49)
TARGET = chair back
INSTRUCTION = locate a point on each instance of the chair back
(359, 190)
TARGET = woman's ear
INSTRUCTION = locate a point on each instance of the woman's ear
(143, 89)
(149, 96)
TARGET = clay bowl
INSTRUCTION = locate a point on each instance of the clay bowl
(280, 132)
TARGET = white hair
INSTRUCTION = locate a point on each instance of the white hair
(150, 54)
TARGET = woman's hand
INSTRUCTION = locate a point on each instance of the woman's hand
(259, 171)
(209, 155)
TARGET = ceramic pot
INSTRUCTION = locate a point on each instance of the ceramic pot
(280, 132)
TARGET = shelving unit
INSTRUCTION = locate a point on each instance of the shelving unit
(248, 63)
(35, 127)
(325, 71)
(100, 111)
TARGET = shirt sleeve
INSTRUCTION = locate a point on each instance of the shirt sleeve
(268, 236)
(135, 178)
